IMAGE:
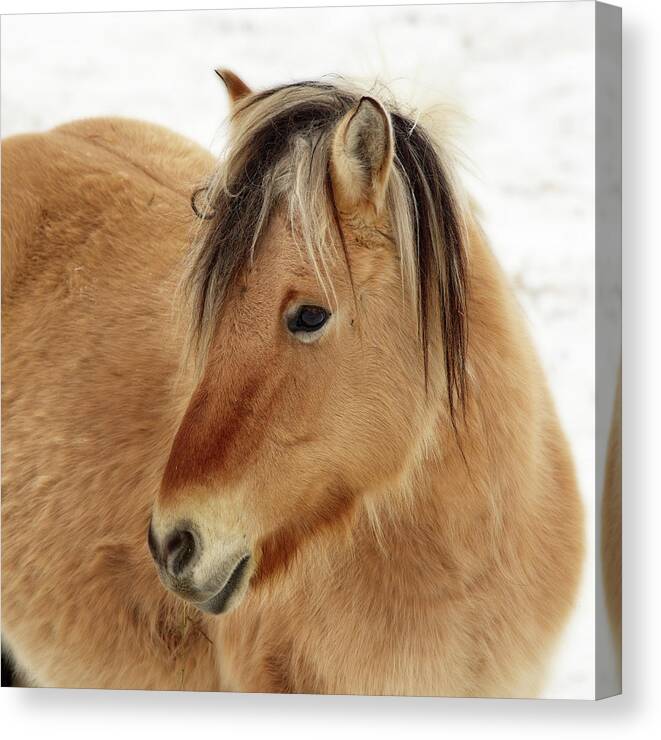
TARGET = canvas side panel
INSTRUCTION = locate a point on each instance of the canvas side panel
(608, 333)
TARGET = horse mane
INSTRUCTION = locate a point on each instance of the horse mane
(279, 156)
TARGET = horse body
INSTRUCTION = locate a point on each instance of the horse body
(90, 241)
(443, 564)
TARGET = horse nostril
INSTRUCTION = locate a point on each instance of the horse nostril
(178, 551)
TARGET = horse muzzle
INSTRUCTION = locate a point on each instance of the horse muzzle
(212, 576)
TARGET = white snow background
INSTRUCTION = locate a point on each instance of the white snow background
(523, 77)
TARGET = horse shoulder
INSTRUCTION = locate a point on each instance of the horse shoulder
(50, 177)
(158, 152)
(22, 157)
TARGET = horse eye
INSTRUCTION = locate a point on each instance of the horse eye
(308, 319)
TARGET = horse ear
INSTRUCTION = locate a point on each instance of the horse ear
(361, 157)
(236, 87)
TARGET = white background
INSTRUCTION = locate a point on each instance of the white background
(72, 714)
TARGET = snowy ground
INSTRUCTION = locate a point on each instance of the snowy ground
(522, 74)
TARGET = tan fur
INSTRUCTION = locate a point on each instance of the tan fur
(388, 560)
(95, 217)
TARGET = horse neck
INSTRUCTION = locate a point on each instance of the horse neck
(433, 519)
(454, 508)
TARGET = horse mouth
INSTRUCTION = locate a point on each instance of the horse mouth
(222, 601)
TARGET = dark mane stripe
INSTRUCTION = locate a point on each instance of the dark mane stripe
(309, 111)
(441, 264)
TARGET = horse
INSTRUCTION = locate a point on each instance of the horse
(273, 423)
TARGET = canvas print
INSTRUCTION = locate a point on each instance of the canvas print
(310, 351)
